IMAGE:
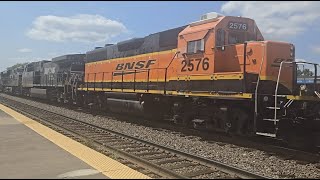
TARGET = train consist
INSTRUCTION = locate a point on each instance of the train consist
(217, 73)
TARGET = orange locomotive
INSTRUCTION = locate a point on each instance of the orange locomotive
(217, 73)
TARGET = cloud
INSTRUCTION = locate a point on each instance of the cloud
(316, 50)
(81, 28)
(25, 50)
(277, 19)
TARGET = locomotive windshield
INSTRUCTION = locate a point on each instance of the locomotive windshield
(236, 37)
(231, 37)
(306, 74)
(236, 33)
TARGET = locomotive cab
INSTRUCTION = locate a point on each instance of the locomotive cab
(229, 56)
(233, 50)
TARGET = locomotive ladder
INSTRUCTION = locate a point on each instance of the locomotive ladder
(274, 108)
(275, 120)
(277, 108)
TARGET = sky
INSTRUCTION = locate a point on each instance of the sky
(33, 30)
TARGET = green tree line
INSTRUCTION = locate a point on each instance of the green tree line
(16, 66)
(305, 73)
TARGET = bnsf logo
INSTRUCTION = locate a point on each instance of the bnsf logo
(135, 65)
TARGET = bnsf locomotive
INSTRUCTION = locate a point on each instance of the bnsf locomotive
(217, 73)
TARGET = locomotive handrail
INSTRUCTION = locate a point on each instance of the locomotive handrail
(102, 80)
(122, 81)
(122, 77)
(245, 43)
(244, 66)
(276, 92)
(303, 62)
(315, 77)
(134, 79)
(173, 58)
(228, 45)
(148, 79)
(256, 96)
(145, 70)
(88, 81)
(94, 84)
(111, 80)
(278, 79)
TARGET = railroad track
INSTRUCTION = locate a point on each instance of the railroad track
(160, 160)
(268, 145)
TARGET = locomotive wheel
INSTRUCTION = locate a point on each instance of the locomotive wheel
(239, 121)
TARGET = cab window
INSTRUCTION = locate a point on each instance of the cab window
(220, 38)
(195, 46)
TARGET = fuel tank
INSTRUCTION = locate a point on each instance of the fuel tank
(125, 106)
(38, 93)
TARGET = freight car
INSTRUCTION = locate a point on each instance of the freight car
(217, 73)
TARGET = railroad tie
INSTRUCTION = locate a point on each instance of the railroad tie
(200, 172)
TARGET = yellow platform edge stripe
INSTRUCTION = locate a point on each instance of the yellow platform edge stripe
(107, 166)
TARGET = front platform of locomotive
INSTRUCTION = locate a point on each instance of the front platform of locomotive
(287, 99)
(287, 102)
(285, 91)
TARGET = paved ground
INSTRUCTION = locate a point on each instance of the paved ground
(26, 154)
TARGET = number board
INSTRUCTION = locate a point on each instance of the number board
(195, 64)
(238, 26)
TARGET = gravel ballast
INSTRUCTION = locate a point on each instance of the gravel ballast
(255, 161)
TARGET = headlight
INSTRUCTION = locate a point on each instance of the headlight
(303, 87)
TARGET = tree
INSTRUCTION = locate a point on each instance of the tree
(16, 66)
(305, 73)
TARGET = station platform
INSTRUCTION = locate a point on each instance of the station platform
(30, 150)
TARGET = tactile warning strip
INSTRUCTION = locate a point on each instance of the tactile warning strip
(107, 166)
